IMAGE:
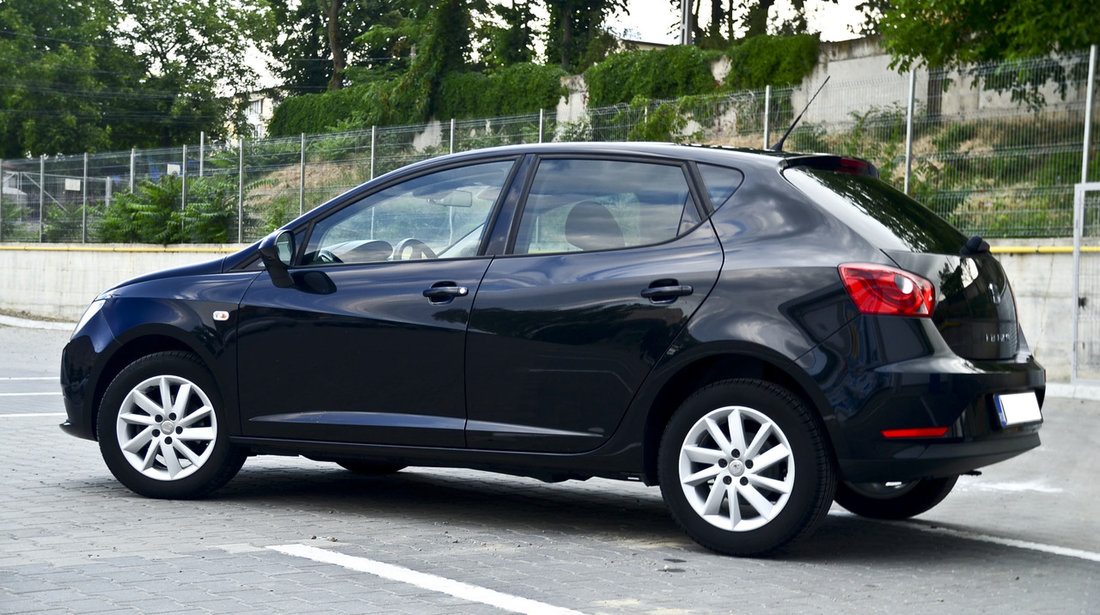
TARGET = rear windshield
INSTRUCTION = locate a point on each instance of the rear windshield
(886, 217)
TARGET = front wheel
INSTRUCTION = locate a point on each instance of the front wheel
(162, 429)
(899, 500)
(744, 468)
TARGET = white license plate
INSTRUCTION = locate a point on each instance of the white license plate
(1018, 408)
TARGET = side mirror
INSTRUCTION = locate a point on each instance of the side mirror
(276, 251)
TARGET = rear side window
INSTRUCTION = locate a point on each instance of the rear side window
(587, 205)
(885, 216)
(721, 183)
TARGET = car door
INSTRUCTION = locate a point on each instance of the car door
(368, 345)
(608, 262)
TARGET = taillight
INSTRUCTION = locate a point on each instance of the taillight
(878, 289)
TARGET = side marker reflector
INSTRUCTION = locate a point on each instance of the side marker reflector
(919, 432)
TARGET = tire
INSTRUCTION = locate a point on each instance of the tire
(893, 500)
(367, 468)
(177, 449)
(708, 460)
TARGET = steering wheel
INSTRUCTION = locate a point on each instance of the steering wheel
(325, 256)
(417, 250)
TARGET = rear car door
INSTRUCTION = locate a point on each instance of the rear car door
(608, 261)
(368, 346)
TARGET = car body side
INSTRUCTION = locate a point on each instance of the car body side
(777, 311)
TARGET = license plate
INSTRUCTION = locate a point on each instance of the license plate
(1018, 408)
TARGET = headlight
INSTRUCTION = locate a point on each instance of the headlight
(92, 310)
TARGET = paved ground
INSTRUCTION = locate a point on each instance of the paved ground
(1022, 538)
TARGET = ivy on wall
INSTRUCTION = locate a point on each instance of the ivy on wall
(771, 60)
(666, 73)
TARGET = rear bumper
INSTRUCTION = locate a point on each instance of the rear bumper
(938, 390)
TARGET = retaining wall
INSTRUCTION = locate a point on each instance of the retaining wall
(59, 280)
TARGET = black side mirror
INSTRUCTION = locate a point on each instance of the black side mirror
(277, 251)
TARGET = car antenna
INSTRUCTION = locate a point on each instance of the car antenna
(778, 147)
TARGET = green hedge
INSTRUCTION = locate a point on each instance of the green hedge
(667, 73)
(520, 88)
(771, 60)
(314, 113)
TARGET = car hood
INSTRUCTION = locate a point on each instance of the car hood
(208, 267)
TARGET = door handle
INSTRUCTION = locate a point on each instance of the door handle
(666, 293)
(442, 292)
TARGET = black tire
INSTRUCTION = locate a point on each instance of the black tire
(368, 468)
(795, 455)
(893, 500)
(171, 456)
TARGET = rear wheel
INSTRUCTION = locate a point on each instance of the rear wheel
(895, 500)
(162, 428)
(744, 468)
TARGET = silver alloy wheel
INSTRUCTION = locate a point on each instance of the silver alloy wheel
(736, 468)
(166, 427)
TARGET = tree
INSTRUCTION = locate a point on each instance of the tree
(574, 26)
(957, 33)
(304, 35)
(512, 40)
(194, 49)
(742, 20)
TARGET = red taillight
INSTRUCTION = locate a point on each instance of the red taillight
(919, 432)
(878, 289)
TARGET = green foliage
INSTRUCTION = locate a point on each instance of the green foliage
(315, 113)
(520, 88)
(771, 60)
(664, 122)
(960, 33)
(573, 26)
(662, 74)
(153, 213)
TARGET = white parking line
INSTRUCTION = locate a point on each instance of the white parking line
(1008, 542)
(27, 415)
(458, 589)
(29, 394)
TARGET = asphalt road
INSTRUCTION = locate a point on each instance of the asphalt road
(290, 535)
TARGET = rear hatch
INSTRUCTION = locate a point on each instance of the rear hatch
(975, 310)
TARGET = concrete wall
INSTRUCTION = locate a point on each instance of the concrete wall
(58, 281)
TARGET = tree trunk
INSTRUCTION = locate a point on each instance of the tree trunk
(331, 9)
(566, 35)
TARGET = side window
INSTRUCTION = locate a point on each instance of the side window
(439, 215)
(585, 205)
(721, 183)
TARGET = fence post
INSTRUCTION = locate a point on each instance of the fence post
(372, 134)
(1, 199)
(302, 178)
(1089, 93)
(542, 115)
(202, 150)
(133, 157)
(452, 135)
(767, 110)
(240, 191)
(84, 203)
(909, 129)
(41, 196)
(183, 175)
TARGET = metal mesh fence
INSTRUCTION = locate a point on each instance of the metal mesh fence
(986, 162)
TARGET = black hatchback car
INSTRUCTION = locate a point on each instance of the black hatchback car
(758, 333)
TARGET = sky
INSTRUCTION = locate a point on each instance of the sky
(651, 20)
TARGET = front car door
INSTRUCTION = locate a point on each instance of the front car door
(368, 346)
(608, 261)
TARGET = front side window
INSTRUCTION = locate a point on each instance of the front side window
(588, 205)
(438, 215)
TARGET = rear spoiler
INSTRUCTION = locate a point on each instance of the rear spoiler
(836, 164)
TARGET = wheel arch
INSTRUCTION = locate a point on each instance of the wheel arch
(721, 365)
(127, 353)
